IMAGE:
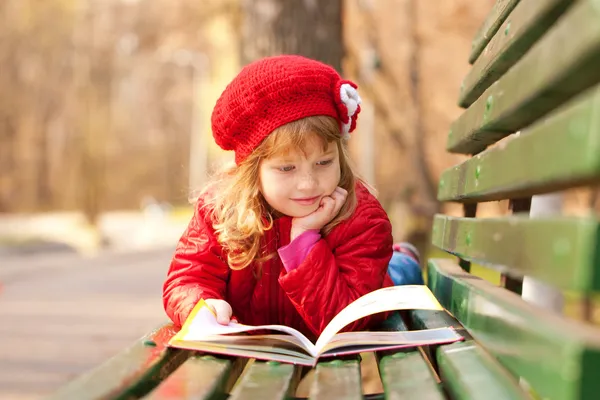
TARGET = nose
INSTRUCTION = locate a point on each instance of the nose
(307, 182)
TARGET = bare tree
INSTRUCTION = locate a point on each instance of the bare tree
(390, 76)
(310, 28)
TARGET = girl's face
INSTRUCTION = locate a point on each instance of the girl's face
(295, 182)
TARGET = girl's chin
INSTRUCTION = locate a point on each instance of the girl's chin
(299, 213)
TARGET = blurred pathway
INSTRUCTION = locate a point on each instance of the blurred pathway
(61, 314)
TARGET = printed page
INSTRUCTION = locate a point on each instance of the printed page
(407, 297)
(260, 352)
(357, 340)
(274, 338)
(203, 326)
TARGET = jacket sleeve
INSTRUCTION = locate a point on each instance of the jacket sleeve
(197, 270)
(329, 279)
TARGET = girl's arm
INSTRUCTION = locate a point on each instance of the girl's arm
(294, 253)
(197, 270)
(328, 280)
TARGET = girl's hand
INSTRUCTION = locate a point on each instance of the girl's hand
(221, 308)
(330, 206)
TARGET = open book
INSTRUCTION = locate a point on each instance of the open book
(202, 332)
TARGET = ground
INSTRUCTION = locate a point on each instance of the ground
(62, 314)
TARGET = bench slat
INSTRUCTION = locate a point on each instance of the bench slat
(200, 377)
(267, 380)
(406, 373)
(561, 251)
(393, 323)
(426, 319)
(524, 26)
(337, 379)
(561, 151)
(461, 369)
(497, 15)
(558, 357)
(542, 79)
(131, 373)
(477, 372)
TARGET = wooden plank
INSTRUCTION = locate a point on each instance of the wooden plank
(558, 357)
(200, 377)
(426, 319)
(406, 373)
(470, 373)
(561, 151)
(543, 79)
(562, 251)
(268, 380)
(393, 323)
(131, 373)
(524, 26)
(497, 15)
(480, 371)
(337, 379)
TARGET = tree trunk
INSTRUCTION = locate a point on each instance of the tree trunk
(424, 204)
(428, 185)
(310, 28)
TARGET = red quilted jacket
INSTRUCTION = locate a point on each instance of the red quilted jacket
(346, 264)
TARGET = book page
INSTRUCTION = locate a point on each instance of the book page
(202, 325)
(357, 340)
(405, 297)
(267, 353)
(274, 338)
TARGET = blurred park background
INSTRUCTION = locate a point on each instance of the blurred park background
(105, 129)
(106, 104)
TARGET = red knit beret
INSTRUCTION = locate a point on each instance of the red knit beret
(274, 91)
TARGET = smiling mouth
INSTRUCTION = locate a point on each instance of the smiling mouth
(307, 200)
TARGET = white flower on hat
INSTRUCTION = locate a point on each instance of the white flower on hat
(351, 100)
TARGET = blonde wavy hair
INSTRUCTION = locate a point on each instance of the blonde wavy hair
(240, 214)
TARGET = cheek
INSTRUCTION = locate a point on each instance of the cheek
(266, 179)
(335, 177)
(271, 186)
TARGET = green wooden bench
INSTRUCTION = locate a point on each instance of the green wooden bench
(150, 370)
(531, 125)
(534, 83)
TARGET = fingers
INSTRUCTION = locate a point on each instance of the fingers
(339, 196)
(332, 204)
(221, 308)
(328, 205)
(210, 306)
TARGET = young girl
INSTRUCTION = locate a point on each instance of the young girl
(289, 235)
